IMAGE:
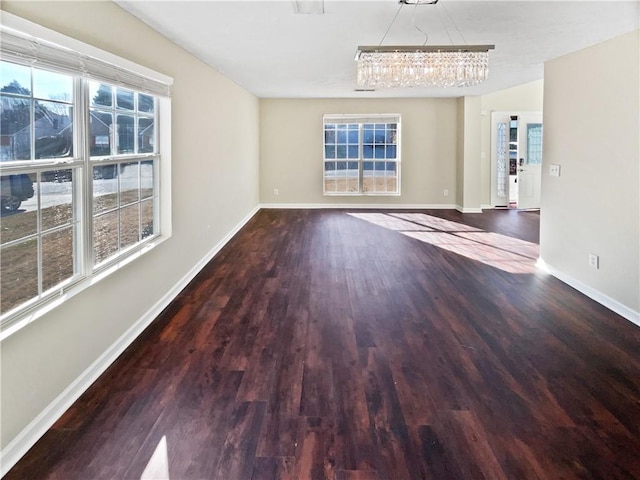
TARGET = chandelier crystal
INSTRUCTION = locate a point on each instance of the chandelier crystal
(422, 66)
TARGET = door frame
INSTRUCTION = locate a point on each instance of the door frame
(495, 115)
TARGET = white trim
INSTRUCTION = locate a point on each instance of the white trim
(19, 24)
(468, 209)
(592, 293)
(21, 444)
(485, 206)
(342, 206)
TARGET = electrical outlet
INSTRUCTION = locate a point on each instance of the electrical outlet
(446, 192)
(554, 170)
(594, 261)
(275, 191)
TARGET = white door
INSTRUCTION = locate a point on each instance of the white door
(530, 160)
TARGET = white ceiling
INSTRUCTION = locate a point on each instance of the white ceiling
(272, 52)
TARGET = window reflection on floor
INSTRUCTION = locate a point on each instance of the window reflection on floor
(496, 250)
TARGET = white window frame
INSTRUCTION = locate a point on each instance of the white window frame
(361, 120)
(56, 52)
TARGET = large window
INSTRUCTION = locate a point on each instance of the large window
(361, 155)
(80, 168)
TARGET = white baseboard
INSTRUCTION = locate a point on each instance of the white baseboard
(468, 210)
(377, 206)
(21, 444)
(601, 298)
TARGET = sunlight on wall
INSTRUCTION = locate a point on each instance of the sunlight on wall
(509, 254)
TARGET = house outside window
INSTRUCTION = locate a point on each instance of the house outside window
(361, 154)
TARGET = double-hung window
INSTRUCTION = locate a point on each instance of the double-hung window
(80, 166)
(361, 155)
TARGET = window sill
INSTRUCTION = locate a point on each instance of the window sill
(21, 319)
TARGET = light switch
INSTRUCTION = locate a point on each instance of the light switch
(554, 170)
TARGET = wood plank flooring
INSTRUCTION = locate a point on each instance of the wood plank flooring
(321, 345)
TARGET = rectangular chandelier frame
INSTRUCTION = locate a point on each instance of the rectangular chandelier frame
(423, 48)
(391, 66)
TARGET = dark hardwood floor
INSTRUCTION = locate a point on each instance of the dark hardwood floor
(322, 345)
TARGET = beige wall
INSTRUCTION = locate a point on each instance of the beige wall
(591, 129)
(291, 149)
(214, 186)
(446, 144)
(468, 161)
(523, 98)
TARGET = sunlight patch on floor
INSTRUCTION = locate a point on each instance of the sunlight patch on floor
(158, 466)
(509, 254)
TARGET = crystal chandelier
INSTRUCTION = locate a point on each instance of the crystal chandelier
(422, 66)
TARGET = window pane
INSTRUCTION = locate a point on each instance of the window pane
(367, 135)
(105, 236)
(330, 184)
(125, 126)
(52, 86)
(329, 166)
(329, 134)
(341, 167)
(18, 206)
(391, 166)
(105, 188)
(391, 136)
(19, 279)
(534, 144)
(353, 166)
(341, 184)
(379, 167)
(146, 218)
(100, 127)
(15, 79)
(145, 103)
(101, 94)
(129, 183)
(124, 99)
(341, 151)
(367, 183)
(379, 152)
(330, 151)
(391, 151)
(367, 151)
(15, 121)
(342, 134)
(353, 151)
(53, 130)
(380, 135)
(145, 135)
(130, 225)
(56, 196)
(353, 136)
(367, 166)
(146, 179)
(57, 257)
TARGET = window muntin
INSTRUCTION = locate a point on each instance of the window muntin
(361, 155)
(37, 246)
(45, 208)
(38, 125)
(123, 206)
(123, 190)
